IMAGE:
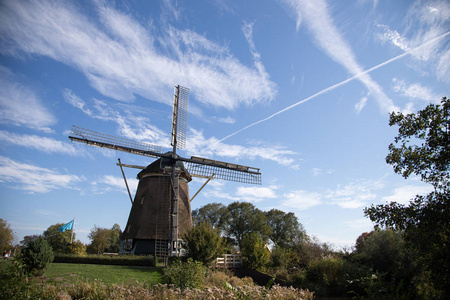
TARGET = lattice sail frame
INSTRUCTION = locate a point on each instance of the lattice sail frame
(103, 140)
(196, 166)
(179, 117)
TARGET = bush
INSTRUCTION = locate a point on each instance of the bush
(189, 274)
(256, 255)
(327, 276)
(203, 243)
(37, 256)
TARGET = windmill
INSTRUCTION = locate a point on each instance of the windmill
(153, 225)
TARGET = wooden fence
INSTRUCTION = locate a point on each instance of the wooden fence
(229, 261)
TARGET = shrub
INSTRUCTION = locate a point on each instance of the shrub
(256, 255)
(327, 276)
(203, 243)
(189, 274)
(37, 256)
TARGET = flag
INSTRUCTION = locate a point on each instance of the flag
(68, 226)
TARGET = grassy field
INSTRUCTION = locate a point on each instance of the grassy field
(70, 273)
(107, 274)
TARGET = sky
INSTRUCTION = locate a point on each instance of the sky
(300, 89)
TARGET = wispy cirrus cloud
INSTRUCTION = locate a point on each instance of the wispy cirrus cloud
(121, 58)
(355, 194)
(406, 193)
(21, 106)
(40, 143)
(34, 179)
(256, 194)
(320, 23)
(136, 127)
(129, 124)
(109, 183)
(199, 145)
(415, 91)
(424, 21)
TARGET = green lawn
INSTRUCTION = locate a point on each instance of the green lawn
(70, 273)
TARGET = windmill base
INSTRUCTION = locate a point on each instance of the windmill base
(158, 248)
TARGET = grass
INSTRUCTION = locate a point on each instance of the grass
(107, 274)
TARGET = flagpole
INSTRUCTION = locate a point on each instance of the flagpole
(73, 225)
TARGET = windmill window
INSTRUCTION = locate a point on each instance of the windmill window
(142, 200)
(128, 229)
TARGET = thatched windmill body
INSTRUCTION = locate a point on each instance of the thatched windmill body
(161, 210)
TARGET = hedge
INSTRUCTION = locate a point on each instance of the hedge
(123, 260)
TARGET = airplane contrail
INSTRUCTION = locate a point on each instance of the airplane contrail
(335, 86)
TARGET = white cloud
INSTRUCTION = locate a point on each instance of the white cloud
(415, 91)
(406, 193)
(363, 224)
(301, 200)
(130, 125)
(20, 106)
(424, 21)
(355, 194)
(120, 57)
(360, 105)
(41, 143)
(256, 194)
(320, 23)
(32, 178)
(109, 183)
(198, 145)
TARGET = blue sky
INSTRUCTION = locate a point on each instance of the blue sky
(300, 89)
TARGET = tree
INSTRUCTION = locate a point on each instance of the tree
(422, 147)
(6, 236)
(245, 218)
(59, 241)
(215, 214)
(114, 239)
(37, 256)
(286, 230)
(203, 243)
(28, 239)
(100, 240)
(384, 252)
(256, 255)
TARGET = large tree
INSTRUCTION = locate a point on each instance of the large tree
(215, 214)
(104, 239)
(422, 147)
(59, 241)
(286, 230)
(244, 218)
(6, 236)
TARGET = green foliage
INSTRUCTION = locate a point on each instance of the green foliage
(77, 248)
(6, 236)
(425, 221)
(430, 159)
(190, 274)
(385, 252)
(59, 241)
(285, 228)
(253, 248)
(215, 214)
(326, 276)
(37, 256)
(104, 240)
(244, 218)
(203, 243)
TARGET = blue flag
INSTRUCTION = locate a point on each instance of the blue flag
(68, 226)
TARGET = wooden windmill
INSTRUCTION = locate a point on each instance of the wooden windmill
(161, 211)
